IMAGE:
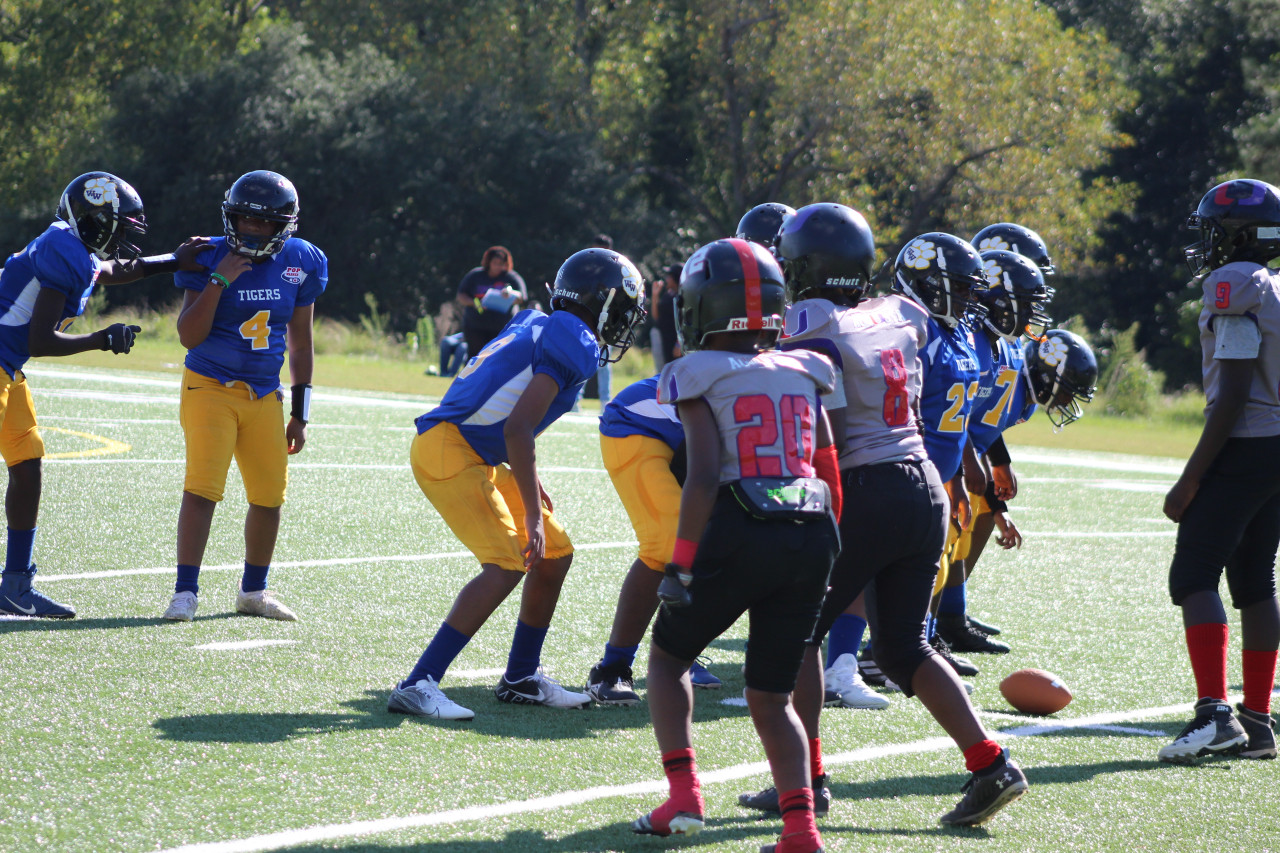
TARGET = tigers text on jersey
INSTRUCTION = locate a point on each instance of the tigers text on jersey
(765, 405)
(246, 342)
(56, 259)
(487, 388)
(875, 346)
(1251, 291)
(635, 410)
(1004, 391)
(950, 384)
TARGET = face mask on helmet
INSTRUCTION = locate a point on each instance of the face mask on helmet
(609, 291)
(1014, 300)
(1063, 374)
(943, 274)
(1236, 221)
(730, 286)
(104, 212)
(761, 223)
(1012, 237)
(265, 196)
(826, 251)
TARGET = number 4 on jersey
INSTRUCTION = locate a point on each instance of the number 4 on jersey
(257, 329)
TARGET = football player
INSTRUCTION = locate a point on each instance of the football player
(474, 459)
(1013, 307)
(252, 301)
(761, 223)
(1226, 503)
(895, 516)
(756, 532)
(43, 289)
(642, 444)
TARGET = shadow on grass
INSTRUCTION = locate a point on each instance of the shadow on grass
(493, 719)
(16, 625)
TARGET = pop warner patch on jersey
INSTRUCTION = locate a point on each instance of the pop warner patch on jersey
(293, 275)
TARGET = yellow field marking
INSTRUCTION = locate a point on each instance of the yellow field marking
(109, 445)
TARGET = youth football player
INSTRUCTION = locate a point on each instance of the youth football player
(756, 532)
(252, 301)
(1227, 501)
(42, 289)
(474, 460)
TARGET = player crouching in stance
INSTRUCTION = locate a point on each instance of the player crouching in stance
(42, 289)
(474, 460)
(253, 299)
(1227, 501)
(756, 532)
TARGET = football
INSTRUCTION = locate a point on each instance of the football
(1034, 691)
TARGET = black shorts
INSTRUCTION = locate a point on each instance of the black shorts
(1232, 523)
(775, 571)
(893, 527)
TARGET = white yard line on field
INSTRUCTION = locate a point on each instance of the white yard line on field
(569, 799)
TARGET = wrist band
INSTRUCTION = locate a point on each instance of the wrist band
(684, 553)
(300, 408)
(220, 279)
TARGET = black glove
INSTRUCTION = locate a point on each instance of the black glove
(673, 591)
(120, 337)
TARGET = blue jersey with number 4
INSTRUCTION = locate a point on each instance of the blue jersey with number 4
(247, 340)
(57, 260)
(485, 391)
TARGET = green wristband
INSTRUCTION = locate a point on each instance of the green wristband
(220, 279)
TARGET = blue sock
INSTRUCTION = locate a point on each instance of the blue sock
(615, 654)
(440, 652)
(953, 600)
(18, 550)
(845, 636)
(255, 578)
(188, 579)
(526, 651)
(930, 626)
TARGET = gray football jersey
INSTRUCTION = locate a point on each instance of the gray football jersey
(765, 404)
(875, 346)
(1251, 291)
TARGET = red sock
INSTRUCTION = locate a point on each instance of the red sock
(981, 755)
(1207, 645)
(682, 781)
(1259, 679)
(815, 758)
(799, 832)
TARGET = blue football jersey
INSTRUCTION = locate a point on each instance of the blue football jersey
(1006, 400)
(950, 383)
(56, 259)
(247, 340)
(486, 390)
(635, 410)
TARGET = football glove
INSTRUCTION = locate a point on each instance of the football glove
(120, 337)
(673, 590)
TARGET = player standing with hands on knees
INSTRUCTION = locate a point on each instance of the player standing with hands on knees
(253, 300)
(1227, 501)
(757, 528)
(42, 289)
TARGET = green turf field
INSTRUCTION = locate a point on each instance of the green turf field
(126, 733)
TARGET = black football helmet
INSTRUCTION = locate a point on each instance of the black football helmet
(729, 286)
(609, 287)
(103, 211)
(1015, 298)
(1063, 374)
(942, 273)
(761, 223)
(1237, 221)
(262, 195)
(826, 247)
(1012, 237)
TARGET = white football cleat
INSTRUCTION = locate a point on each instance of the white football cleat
(424, 698)
(263, 603)
(843, 679)
(182, 607)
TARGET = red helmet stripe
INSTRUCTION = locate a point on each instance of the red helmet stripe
(750, 277)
